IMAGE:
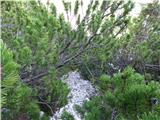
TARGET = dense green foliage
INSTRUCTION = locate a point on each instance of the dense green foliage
(29, 35)
(127, 94)
(137, 46)
(17, 98)
(118, 53)
(66, 116)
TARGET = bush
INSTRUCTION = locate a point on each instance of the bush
(66, 116)
(150, 116)
(126, 94)
(17, 98)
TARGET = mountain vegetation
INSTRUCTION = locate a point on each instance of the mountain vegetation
(118, 53)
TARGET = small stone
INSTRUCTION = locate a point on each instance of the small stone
(81, 91)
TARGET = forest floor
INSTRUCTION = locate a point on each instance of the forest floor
(80, 91)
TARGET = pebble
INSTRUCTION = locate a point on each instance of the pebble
(80, 91)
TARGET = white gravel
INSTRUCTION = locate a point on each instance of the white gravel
(81, 90)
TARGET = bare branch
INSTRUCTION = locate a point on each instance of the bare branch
(47, 106)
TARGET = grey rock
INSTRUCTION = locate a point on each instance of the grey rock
(81, 91)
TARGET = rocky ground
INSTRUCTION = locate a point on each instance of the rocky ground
(81, 91)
